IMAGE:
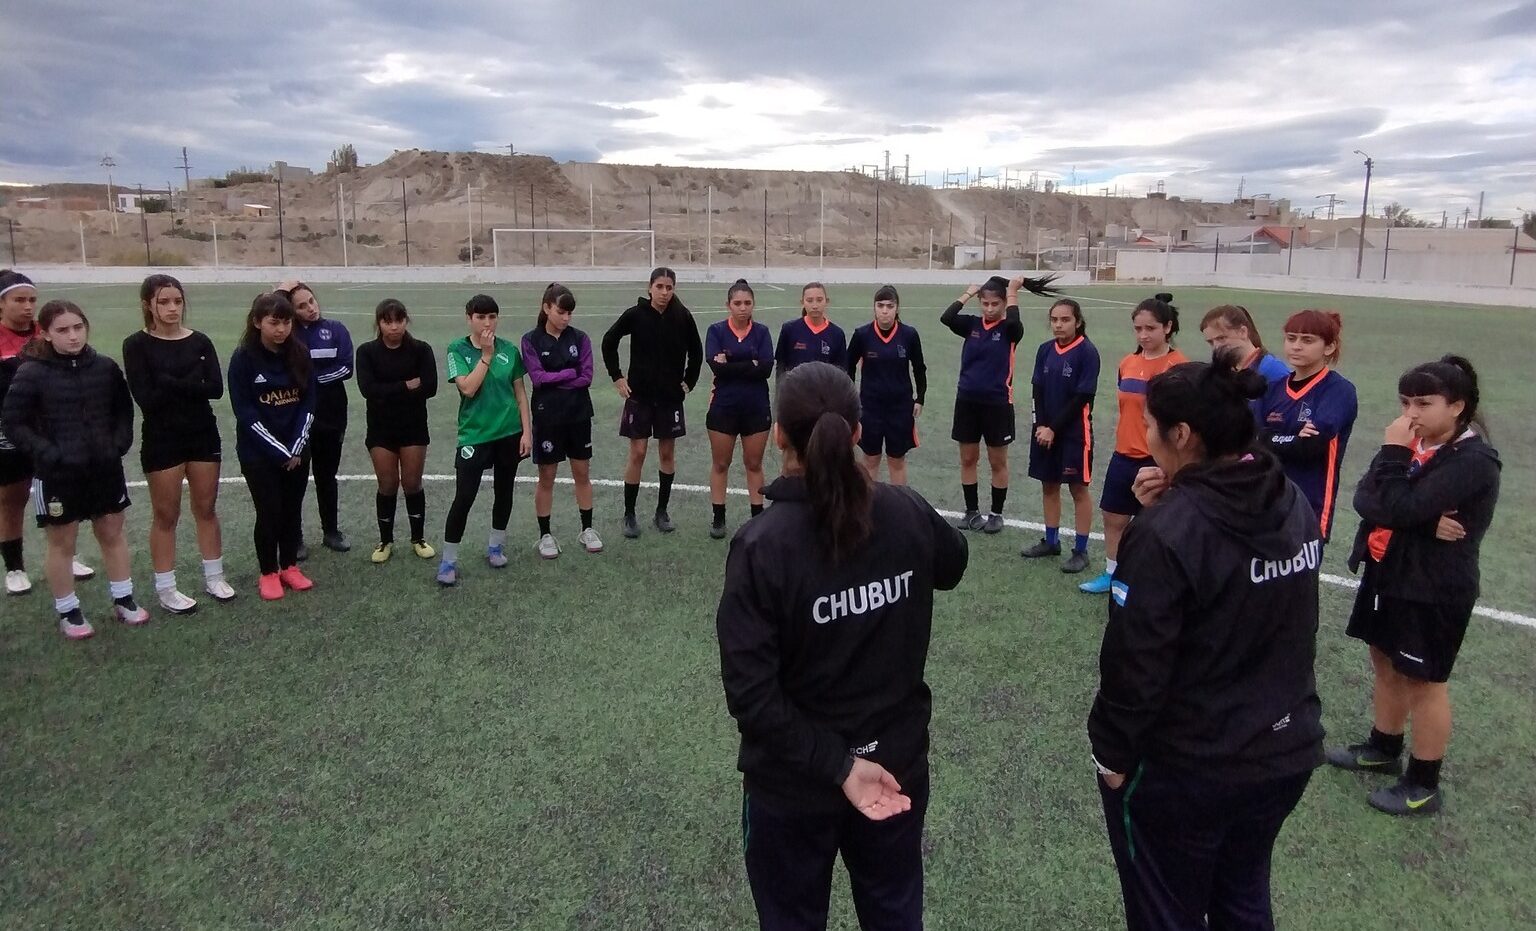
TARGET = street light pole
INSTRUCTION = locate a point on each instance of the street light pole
(1364, 207)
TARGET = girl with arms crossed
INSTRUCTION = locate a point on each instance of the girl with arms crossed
(740, 354)
(892, 356)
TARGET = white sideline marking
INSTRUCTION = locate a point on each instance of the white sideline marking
(1497, 614)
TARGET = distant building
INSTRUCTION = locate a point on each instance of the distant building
(291, 172)
(968, 254)
(130, 201)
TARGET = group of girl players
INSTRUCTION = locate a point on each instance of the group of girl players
(68, 421)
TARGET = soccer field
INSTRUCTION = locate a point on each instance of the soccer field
(547, 746)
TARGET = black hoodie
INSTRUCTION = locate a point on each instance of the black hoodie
(824, 661)
(664, 351)
(1461, 478)
(69, 412)
(1207, 661)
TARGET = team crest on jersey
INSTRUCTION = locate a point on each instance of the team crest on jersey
(826, 349)
(1306, 414)
(55, 507)
(573, 351)
(997, 337)
(466, 452)
(901, 352)
(1066, 370)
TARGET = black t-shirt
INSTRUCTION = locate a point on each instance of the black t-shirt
(173, 381)
(394, 409)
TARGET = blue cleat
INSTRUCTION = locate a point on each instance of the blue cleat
(1098, 585)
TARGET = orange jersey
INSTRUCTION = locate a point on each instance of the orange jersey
(1131, 384)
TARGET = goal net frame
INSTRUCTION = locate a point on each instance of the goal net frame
(591, 234)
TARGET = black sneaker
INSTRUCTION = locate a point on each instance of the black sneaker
(302, 553)
(717, 530)
(1075, 563)
(1041, 549)
(336, 541)
(631, 527)
(663, 522)
(992, 523)
(1405, 798)
(1364, 758)
(970, 520)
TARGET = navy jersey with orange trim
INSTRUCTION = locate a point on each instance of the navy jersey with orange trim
(1327, 400)
(799, 343)
(1061, 374)
(741, 381)
(986, 361)
(892, 362)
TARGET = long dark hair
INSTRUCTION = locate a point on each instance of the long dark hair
(818, 410)
(1077, 313)
(295, 353)
(150, 289)
(809, 285)
(1452, 378)
(391, 309)
(998, 285)
(556, 295)
(40, 348)
(1212, 397)
(1160, 306)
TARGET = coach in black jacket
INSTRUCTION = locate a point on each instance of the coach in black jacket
(823, 626)
(1207, 724)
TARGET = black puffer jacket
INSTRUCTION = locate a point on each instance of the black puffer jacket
(69, 412)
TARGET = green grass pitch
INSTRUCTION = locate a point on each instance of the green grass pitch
(548, 747)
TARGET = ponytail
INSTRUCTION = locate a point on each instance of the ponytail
(556, 295)
(1452, 378)
(818, 408)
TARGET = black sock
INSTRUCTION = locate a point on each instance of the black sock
(384, 506)
(631, 495)
(970, 497)
(757, 509)
(586, 518)
(11, 550)
(416, 513)
(544, 525)
(999, 497)
(1390, 744)
(665, 494)
(719, 513)
(1423, 773)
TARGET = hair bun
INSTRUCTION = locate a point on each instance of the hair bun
(1227, 371)
(1165, 297)
(741, 281)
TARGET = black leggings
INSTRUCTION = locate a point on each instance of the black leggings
(501, 457)
(326, 450)
(277, 494)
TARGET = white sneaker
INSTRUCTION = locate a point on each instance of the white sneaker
(219, 589)
(81, 571)
(548, 548)
(17, 583)
(130, 612)
(177, 603)
(590, 540)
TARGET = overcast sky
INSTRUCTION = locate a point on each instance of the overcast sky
(1116, 94)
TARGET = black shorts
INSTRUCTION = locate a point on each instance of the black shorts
(158, 454)
(977, 421)
(14, 466)
(482, 456)
(562, 441)
(1117, 497)
(1068, 460)
(1421, 639)
(76, 494)
(642, 420)
(398, 438)
(888, 432)
(738, 423)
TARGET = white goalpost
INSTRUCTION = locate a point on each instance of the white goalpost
(641, 238)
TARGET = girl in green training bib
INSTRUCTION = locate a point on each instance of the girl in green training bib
(488, 372)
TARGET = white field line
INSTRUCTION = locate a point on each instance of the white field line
(1497, 614)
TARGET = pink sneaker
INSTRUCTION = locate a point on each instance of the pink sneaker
(74, 626)
(270, 587)
(129, 612)
(295, 579)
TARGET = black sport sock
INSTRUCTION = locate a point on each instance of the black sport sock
(665, 494)
(1423, 773)
(631, 495)
(719, 513)
(416, 513)
(970, 497)
(999, 497)
(11, 551)
(586, 518)
(384, 507)
(544, 525)
(757, 509)
(1389, 744)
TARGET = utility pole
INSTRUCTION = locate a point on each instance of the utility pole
(186, 171)
(108, 163)
(877, 223)
(282, 256)
(405, 211)
(1365, 201)
(143, 221)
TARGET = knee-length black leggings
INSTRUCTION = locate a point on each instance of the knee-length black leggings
(325, 449)
(501, 457)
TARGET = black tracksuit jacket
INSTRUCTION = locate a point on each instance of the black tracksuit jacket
(1462, 478)
(665, 351)
(823, 662)
(1207, 660)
